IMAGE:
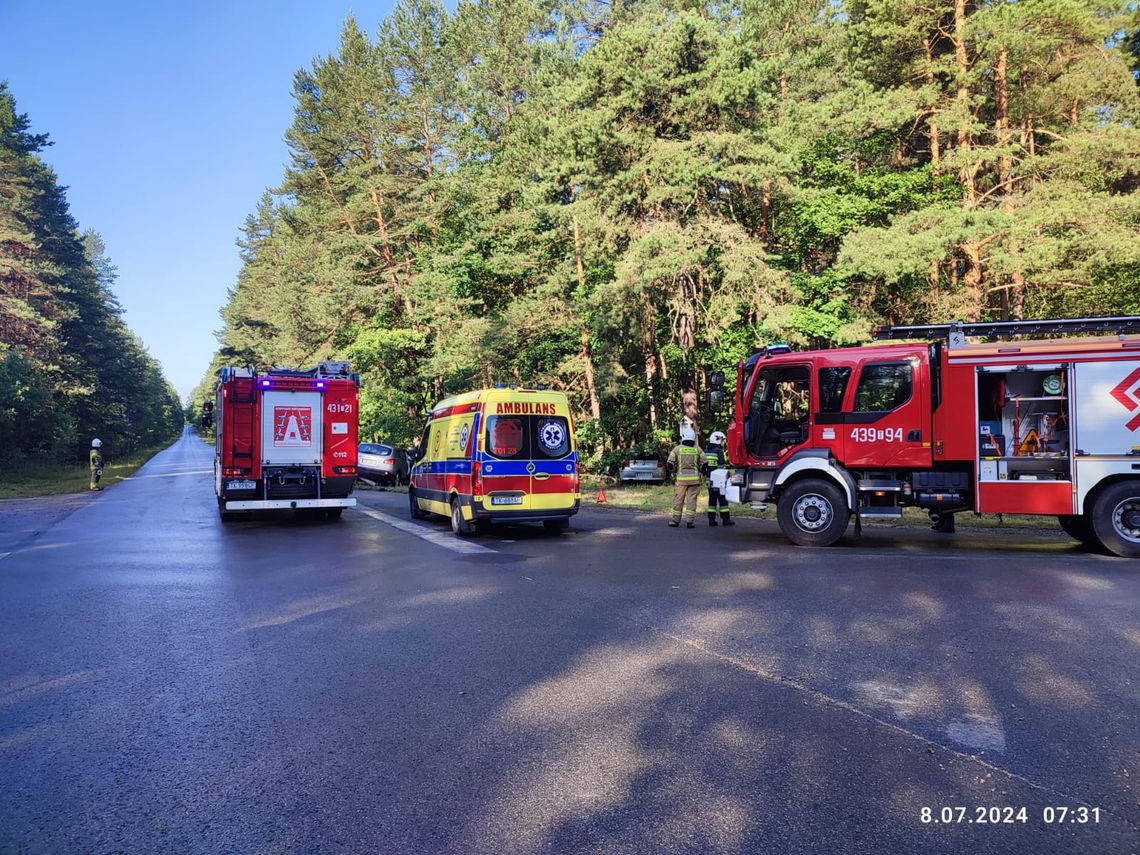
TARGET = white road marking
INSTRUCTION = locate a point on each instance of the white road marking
(446, 540)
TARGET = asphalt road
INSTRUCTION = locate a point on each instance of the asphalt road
(172, 684)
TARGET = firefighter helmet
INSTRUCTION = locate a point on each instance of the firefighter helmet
(96, 443)
(688, 434)
(717, 437)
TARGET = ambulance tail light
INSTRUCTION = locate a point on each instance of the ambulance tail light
(477, 478)
(234, 471)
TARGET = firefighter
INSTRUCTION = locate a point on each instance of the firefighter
(688, 463)
(714, 455)
(96, 460)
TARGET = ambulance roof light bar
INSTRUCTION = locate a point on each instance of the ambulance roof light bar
(956, 332)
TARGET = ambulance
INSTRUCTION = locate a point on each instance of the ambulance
(499, 455)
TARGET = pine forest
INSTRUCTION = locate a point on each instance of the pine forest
(70, 369)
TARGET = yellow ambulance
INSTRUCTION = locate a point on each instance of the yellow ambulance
(498, 455)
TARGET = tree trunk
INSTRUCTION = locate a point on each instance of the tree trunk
(689, 408)
(1013, 300)
(935, 137)
(962, 62)
(765, 209)
(650, 378)
(972, 277)
(587, 355)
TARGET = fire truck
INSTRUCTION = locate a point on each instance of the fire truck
(977, 417)
(285, 439)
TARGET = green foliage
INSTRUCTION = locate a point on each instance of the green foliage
(610, 199)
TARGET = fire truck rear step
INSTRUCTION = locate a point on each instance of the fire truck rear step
(880, 513)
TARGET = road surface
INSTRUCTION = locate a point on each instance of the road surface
(172, 684)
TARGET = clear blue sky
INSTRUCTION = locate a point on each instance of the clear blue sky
(168, 121)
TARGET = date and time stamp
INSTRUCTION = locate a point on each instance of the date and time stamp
(1059, 815)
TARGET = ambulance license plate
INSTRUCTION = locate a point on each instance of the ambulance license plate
(241, 485)
(506, 500)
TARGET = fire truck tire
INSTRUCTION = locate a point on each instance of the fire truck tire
(813, 512)
(333, 513)
(1115, 518)
(1078, 528)
(413, 507)
(460, 526)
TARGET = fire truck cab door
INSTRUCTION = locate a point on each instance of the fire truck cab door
(886, 422)
(291, 428)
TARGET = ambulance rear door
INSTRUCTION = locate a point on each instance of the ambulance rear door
(507, 467)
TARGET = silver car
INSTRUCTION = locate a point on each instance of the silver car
(383, 464)
(645, 467)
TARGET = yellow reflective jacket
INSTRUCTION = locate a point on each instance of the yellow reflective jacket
(688, 461)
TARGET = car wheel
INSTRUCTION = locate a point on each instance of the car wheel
(413, 506)
(1115, 519)
(460, 526)
(1078, 528)
(813, 512)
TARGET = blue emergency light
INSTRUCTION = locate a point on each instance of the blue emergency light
(265, 383)
(320, 384)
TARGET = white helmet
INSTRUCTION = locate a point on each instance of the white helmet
(688, 434)
(718, 438)
(96, 443)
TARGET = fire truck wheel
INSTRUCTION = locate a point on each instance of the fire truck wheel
(333, 513)
(1078, 528)
(1116, 519)
(813, 512)
(459, 525)
(413, 508)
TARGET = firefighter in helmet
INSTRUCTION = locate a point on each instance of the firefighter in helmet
(96, 460)
(687, 462)
(718, 477)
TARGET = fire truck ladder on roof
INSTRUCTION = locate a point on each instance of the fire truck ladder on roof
(956, 332)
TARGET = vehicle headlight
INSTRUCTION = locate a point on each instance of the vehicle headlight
(737, 479)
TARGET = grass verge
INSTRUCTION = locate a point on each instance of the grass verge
(44, 478)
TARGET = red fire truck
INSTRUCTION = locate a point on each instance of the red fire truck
(285, 439)
(1018, 425)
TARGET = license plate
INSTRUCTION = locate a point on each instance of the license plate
(506, 500)
(241, 485)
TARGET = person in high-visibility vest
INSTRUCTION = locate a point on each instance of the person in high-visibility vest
(718, 477)
(96, 460)
(688, 463)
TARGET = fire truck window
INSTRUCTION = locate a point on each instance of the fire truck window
(793, 399)
(551, 436)
(832, 387)
(506, 436)
(883, 387)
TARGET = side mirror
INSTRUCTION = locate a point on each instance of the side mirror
(714, 379)
(716, 400)
(207, 420)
